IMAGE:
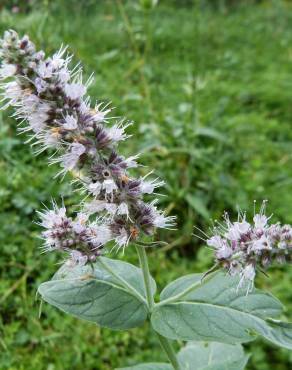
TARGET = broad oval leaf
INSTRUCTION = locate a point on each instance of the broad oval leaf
(111, 293)
(149, 366)
(203, 356)
(216, 310)
(222, 289)
(212, 356)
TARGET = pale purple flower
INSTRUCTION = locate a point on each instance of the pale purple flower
(224, 252)
(51, 218)
(75, 90)
(40, 84)
(263, 243)
(45, 70)
(50, 101)
(148, 186)
(70, 123)
(117, 132)
(37, 120)
(260, 221)
(101, 234)
(12, 93)
(242, 247)
(70, 159)
(162, 221)
(95, 188)
(109, 186)
(122, 239)
(78, 258)
(7, 70)
(123, 209)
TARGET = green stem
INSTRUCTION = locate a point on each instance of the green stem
(165, 343)
(168, 349)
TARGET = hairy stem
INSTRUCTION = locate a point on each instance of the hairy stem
(168, 349)
(165, 343)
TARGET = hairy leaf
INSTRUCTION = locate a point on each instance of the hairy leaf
(212, 356)
(111, 293)
(150, 366)
(216, 310)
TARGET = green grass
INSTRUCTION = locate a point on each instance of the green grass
(210, 93)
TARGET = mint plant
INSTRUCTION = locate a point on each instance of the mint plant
(214, 312)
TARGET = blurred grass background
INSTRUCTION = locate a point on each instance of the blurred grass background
(208, 84)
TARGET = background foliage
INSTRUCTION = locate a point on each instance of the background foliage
(208, 84)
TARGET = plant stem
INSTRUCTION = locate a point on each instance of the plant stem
(165, 343)
(168, 349)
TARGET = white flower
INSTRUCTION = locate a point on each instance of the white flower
(48, 139)
(95, 188)
(224, 252)
(50, 218)
(260, 221)
(94, 206)
(57, 62)
(111, 208)
(101, 234)
(70, 123)
(248, 273)
(7, 70)
(123, 209)
(147, 187)
(79, 225)
(69, 160)
(12, 92)
(131, 161)
(243, 227)
(233, 233)
(40, 84)
(123, 238)
(45, 69)
(237, 229)
(215, 241)
(30, 103)
(109, 186)
(162, 221)
(78, 258)
(37, 120)
(63, 75)
(263, 243)
(75, 91)
(117, 133)
(99, 115)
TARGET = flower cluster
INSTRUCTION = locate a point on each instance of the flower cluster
(242, 247)
(50, 101)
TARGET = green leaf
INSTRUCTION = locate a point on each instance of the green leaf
(150, 366)
(198, 205)
(216, 310)
(203, 356)
(111, 293)
(220, 289)
(210, 133)
(212, 356)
